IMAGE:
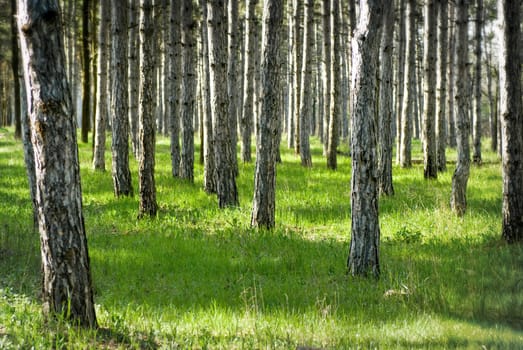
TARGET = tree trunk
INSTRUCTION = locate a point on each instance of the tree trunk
(226, 179)
(15, 68)
(365, 231)
(476, 131)
(409, 96)
(148, 205)
(326, 72)
(451, 120)
(248, 91)
(430, 168)
(101, 99)
(263, 207)
(297, 63)
(232, 88)
(86, 90)
(290, 76)
(65, 260)
(134, 78)
(174, 87)
(306, 85)
(491, 71)
(511, 109)
(120, 125)
(458, 199)
(400, 78)
(188, 91)
(386, 110)
(335, 72)
(441, 97)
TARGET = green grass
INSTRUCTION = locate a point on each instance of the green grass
(200, 278)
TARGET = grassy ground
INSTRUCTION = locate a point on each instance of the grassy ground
(199, 278)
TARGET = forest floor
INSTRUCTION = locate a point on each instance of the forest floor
(198, 277)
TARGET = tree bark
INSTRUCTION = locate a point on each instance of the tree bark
(306, 85)
(476, 130)
(511, 109)
(451, 120)
(458, 199)
(365, 232)
(148, 205)
(65, 260)
(15, 68)
(174, 87)
(334, 93)
(232, 89)
(188, 105)
(134, 78)
(386, 109)
(264, 202)
(86, 67)
(400, 78)
(430, 164)
(441, 93)
(326, 72)
(297, 63)
(101, 99)
(120, 123)
(226, 179)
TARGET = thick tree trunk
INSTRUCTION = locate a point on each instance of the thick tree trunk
(174, 86)
(476, 130)
(120, 121)
(226, 179)
(511, 119)
(15, 69)
(430, 164)
(451, 120)
(188, 105)
(65, 260)
(386, 109)
(441, 97)
(148, 205)
(400, 78)
(264, 202)
(365, 231)
(409, 96)
(306, 85)
(101, 98)
(458, 199)
(134, 78)
(335, 72)
(86, 67)
(248, 89)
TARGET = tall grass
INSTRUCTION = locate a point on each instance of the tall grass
(198, 277)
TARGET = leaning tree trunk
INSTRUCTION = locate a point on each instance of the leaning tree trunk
(120, 122)
(86, 68)
(460, 178)
(188, 105)
(334, 93)
(365, 230)
(15, 69)
(65, 260)
(441, 97)
(511, 119)
(248, 81)
(101, 92)
(386, 111)
(409, 96)
(306, 85)
(226, 179)
(430, 164)
(264, 202)
(476, 130)
(148, 205)
(174, 87)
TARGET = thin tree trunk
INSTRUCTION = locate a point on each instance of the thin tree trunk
(493, 117)
(86, 55)
(386, 109)
(290, 76)
(232, 89)
(65, 260)
(174, 87)
(15, 69)
(476, 130)
(306, 84)
(326, 73)
(335, 72)
(511, 109)
(458, 199)
(134, 78)
(365, 231)
(226, 179)
(120, 122)
(430, 170)
(263, 207)
(441, 98)
(400, 78)
(451, 120)
(148, 205)
(297, 63)
(188, 91)
(101, 99)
